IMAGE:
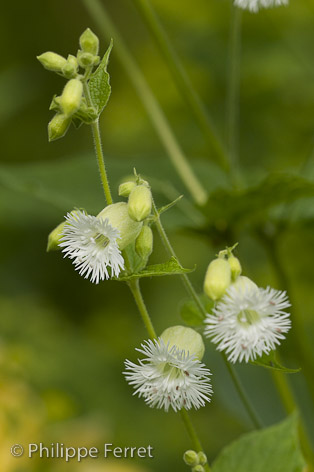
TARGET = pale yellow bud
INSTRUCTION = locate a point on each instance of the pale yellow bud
(58, 126)
(217, 278)
(70, 69)
(54, 238)
(118, 217)
(126, 188)
(184, 338)
(244, 284)
(52, 61)
(144, 242)
(191, 458)
(202, 458)
(89, 42)
(140, 203)
(235, 267)
(71, 97)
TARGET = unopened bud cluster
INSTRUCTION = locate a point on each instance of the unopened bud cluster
(71, 104)
(196, 460)
(139, 205)
(221, 273)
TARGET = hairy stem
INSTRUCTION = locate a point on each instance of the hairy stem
(137, 294)
(191, 291)
(181, 79)
(180, 162)
(193, 435)
(242, 394)
(98, 149)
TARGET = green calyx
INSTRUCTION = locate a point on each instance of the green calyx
(184, 338)
(118, 217)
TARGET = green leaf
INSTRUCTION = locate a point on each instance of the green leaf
(274, 449)
(225, 207)
(270, 362)
(99, 83)
(170, 205)
(171, 267)
(191, 314)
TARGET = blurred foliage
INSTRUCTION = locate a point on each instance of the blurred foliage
(62, 339)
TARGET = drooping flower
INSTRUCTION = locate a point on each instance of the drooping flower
(169, 377)
(248, 321)
(92, 244)
(255, 5)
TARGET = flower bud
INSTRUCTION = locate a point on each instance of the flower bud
(71, 97)
(144, 242)
(202, 458)
(70, 69)
(54, 238)
(217, 278)
(184, 338)
(126, 188)
(52, 61)
(85, 59)
(235, 267)
(140, 203)
(55, 235)
(118, 217)
(89, 42)
(198, 468)
(191, 458)
(58, 126)
(244, 284)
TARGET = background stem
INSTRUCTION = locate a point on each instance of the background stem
(181, 79)
(233, 90)
(180, 162)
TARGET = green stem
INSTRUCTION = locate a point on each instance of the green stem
(98, 149)
(181, 79)
(190, 289)
(98, 12)
(233, 88)
(242, 394)
(136, 291)
(193, 435)
(137, 294)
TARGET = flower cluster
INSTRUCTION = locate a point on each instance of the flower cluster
(248, 321)
(169, 377)
(255, 5)
(92, 244)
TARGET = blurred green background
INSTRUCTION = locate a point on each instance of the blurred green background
(63, 340)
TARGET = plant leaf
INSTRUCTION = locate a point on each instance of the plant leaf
(171, 267)
(270, 362)
(170, 205)
(274, 449)
(99, 83)
(191, 314)
(234, 206)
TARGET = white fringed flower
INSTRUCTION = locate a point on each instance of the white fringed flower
(248, 321)
(92, 244)
(255, 5)
(169, 377)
